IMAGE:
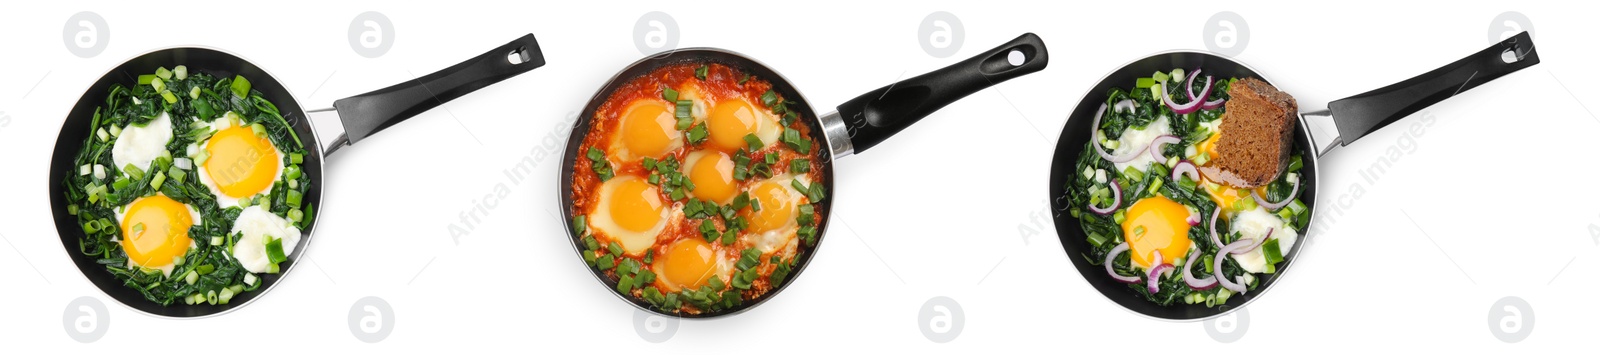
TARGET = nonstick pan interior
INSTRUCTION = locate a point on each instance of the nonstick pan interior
(1072, 141)
(76, 129)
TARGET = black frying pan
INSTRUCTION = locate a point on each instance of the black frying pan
(857, 125)
(350, 120)
(1351, 118)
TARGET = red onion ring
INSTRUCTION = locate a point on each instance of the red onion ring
(1185, 168)
(1111, 258)
(1197, 283)
(1126, 105)
(1116, 195)
(1255, 244)
(1153, 279)
(1155, 146)
(1188, 85)
(1214, 104)
(1214, 217)
(1275, 206)
(1194, 219)
(1235, 286)
(1192, 105)
(1102, 150)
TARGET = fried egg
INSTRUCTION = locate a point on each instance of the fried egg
(647, 129)
(632, 213)
(1254, 224)
(1139, 139)
(734, 118)
(140, 145)
(690, 263)
(239, 164)
(774, 226)
(711, 172)
(1157, 224)
(255, 224)
(155, 230)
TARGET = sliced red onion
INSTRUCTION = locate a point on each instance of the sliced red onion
(1111, 258)
(1192, 105)
(1214, 104)
(1194, 219)
(1155, 146)
(1116, 195)
(1197, 283)
(1235, 286)
(1185, 168)
(1188, 85)
(1275, 206)
(1254, 244)
(1215, 239)
(1125, 105)
(1153, 278)
(1102, 150)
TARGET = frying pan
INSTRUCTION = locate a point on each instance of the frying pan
(1316, 133)
(350, 120)
(858, 124)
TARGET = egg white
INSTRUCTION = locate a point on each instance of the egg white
(1253, 224)
(224, 200)
(122, 212)
(140, 145)
(633, 243)
(1138, 140)
(255, 224)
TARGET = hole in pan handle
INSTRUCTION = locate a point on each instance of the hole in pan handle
(874, 116)
(1358, 115)
(371, 112)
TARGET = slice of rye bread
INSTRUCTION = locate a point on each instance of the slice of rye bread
(1257, 134)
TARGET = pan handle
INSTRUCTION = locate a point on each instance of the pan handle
(876, 115)
(371, 112)
(1358, 115)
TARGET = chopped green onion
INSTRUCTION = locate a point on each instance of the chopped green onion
(1295, 164)
(684, 114)
(753, 141)
(179, 72)
(146, 79)
(241, 86)
(155, 182)
(1271, 251)
(1143, 83)
(1177, 74)
(275, 250)
(296, 158)
(292, 172)
(158, 84)
(191, 277)
(701, 71)
(167, 95)
(163, 73)
(260, 130)
(249, 279)
(215, 241)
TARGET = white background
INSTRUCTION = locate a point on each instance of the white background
(1493, 199)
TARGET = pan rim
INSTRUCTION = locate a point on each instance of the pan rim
(1312, 157)
(306, 234)
(563, 182)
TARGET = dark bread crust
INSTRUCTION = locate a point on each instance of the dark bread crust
(1257, 134)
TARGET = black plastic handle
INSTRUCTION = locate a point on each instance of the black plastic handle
(1361, 114)
(371, 112)
(876, 115)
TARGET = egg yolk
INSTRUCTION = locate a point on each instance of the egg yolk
(712, 176)
(777, 206)
(729, 122)
(636, 205)
(688, 263)
(155, 230)
(1156, 224)
(1209, 147)
(241, 163)
(1228, 196)
(649, 129)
